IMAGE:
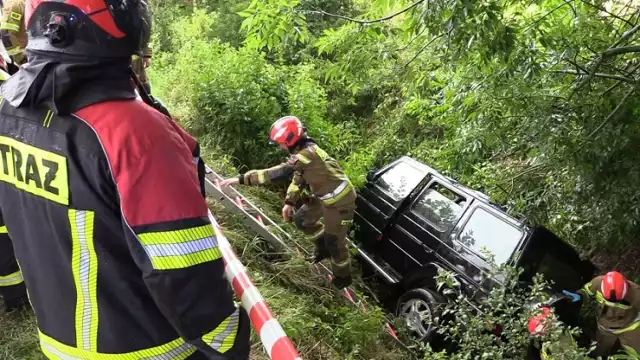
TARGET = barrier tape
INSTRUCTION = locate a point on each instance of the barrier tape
(276, 343)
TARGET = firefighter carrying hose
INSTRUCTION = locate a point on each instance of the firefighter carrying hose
(101, 196)
(14, 33)
(618, 313)
(333, 194)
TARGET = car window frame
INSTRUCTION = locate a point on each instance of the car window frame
(392, 166)
(412, 206)
(497, 214)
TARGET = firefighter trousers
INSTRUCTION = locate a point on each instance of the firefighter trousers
(333, 235)
(12, 287)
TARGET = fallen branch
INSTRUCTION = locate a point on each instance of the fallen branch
(602, 75)
(364, 22)
(613, 113)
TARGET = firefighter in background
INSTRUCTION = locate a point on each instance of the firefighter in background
(14, 33)
(334, 196)
(12, 288)
(618, 313)
(103, 201)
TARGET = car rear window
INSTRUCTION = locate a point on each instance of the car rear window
(399, 180)
(438, 206)
(485, 230)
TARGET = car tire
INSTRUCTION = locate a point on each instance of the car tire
(419, 308)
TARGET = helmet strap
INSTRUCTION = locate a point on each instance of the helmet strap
(59, 30)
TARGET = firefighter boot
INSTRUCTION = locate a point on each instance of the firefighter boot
(342, 282)
(15, 298)
(320, 252)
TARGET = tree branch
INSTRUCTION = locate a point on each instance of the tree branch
(365, 22)
(607, 12)
(422, 49)
(602, 75)
(547, 14)
(612, 51)
(613, 113)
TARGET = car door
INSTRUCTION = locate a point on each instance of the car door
(424, 224)
(380, 198)
(483, 232)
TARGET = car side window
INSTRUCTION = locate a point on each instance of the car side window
(439, 206)
(399, 180)
(485, 230)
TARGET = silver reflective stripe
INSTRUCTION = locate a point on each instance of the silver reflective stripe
(611, 330)
(171, 354)
(183, 248)
(335, 192)
(217, 341)
(59, 354)
(85, 267)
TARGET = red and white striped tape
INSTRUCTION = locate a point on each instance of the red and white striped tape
(273, 338)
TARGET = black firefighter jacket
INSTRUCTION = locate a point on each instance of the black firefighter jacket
(102, 200)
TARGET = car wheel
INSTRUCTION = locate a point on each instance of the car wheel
(419, 308)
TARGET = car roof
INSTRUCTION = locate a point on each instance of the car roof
(480, 196)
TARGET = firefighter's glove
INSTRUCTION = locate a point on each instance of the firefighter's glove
(287, 212)
(229, 182)
(574, 297)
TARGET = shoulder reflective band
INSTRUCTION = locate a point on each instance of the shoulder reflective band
(11, 279)
(84, 264)
(175, 350)
(587, 288)
(3, 230)
(605, 302)
(178, 249)
(223, 337)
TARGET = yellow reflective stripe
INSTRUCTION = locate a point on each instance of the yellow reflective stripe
(343, 193)
(175, 350)
(321, 153)
(303, 159)
(587, 288)
(223, 337)
(179, 249)
(3, 230)
(176, 236)
(16, 50)
(16, 16)
(9, 26)
(4, 76)
(631, 327)
(293, 188)
(84, 264)
(47, 118)
(11, 279)
(600, 298)
(261, 178)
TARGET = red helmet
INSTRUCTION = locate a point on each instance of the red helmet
(88, 28)
(537, 323)
(614, 286)
(287, 130)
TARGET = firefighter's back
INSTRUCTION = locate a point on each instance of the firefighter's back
(61, 183)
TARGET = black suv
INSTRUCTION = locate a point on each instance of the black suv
(411, 221)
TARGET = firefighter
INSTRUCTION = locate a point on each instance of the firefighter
(14, 34)
(334, 196)
(618, 313)
(12, 288)
(101, 196)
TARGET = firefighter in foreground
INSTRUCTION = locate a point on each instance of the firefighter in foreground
(334, 194)
(14, 33)
(618, 313)
(102, 199)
